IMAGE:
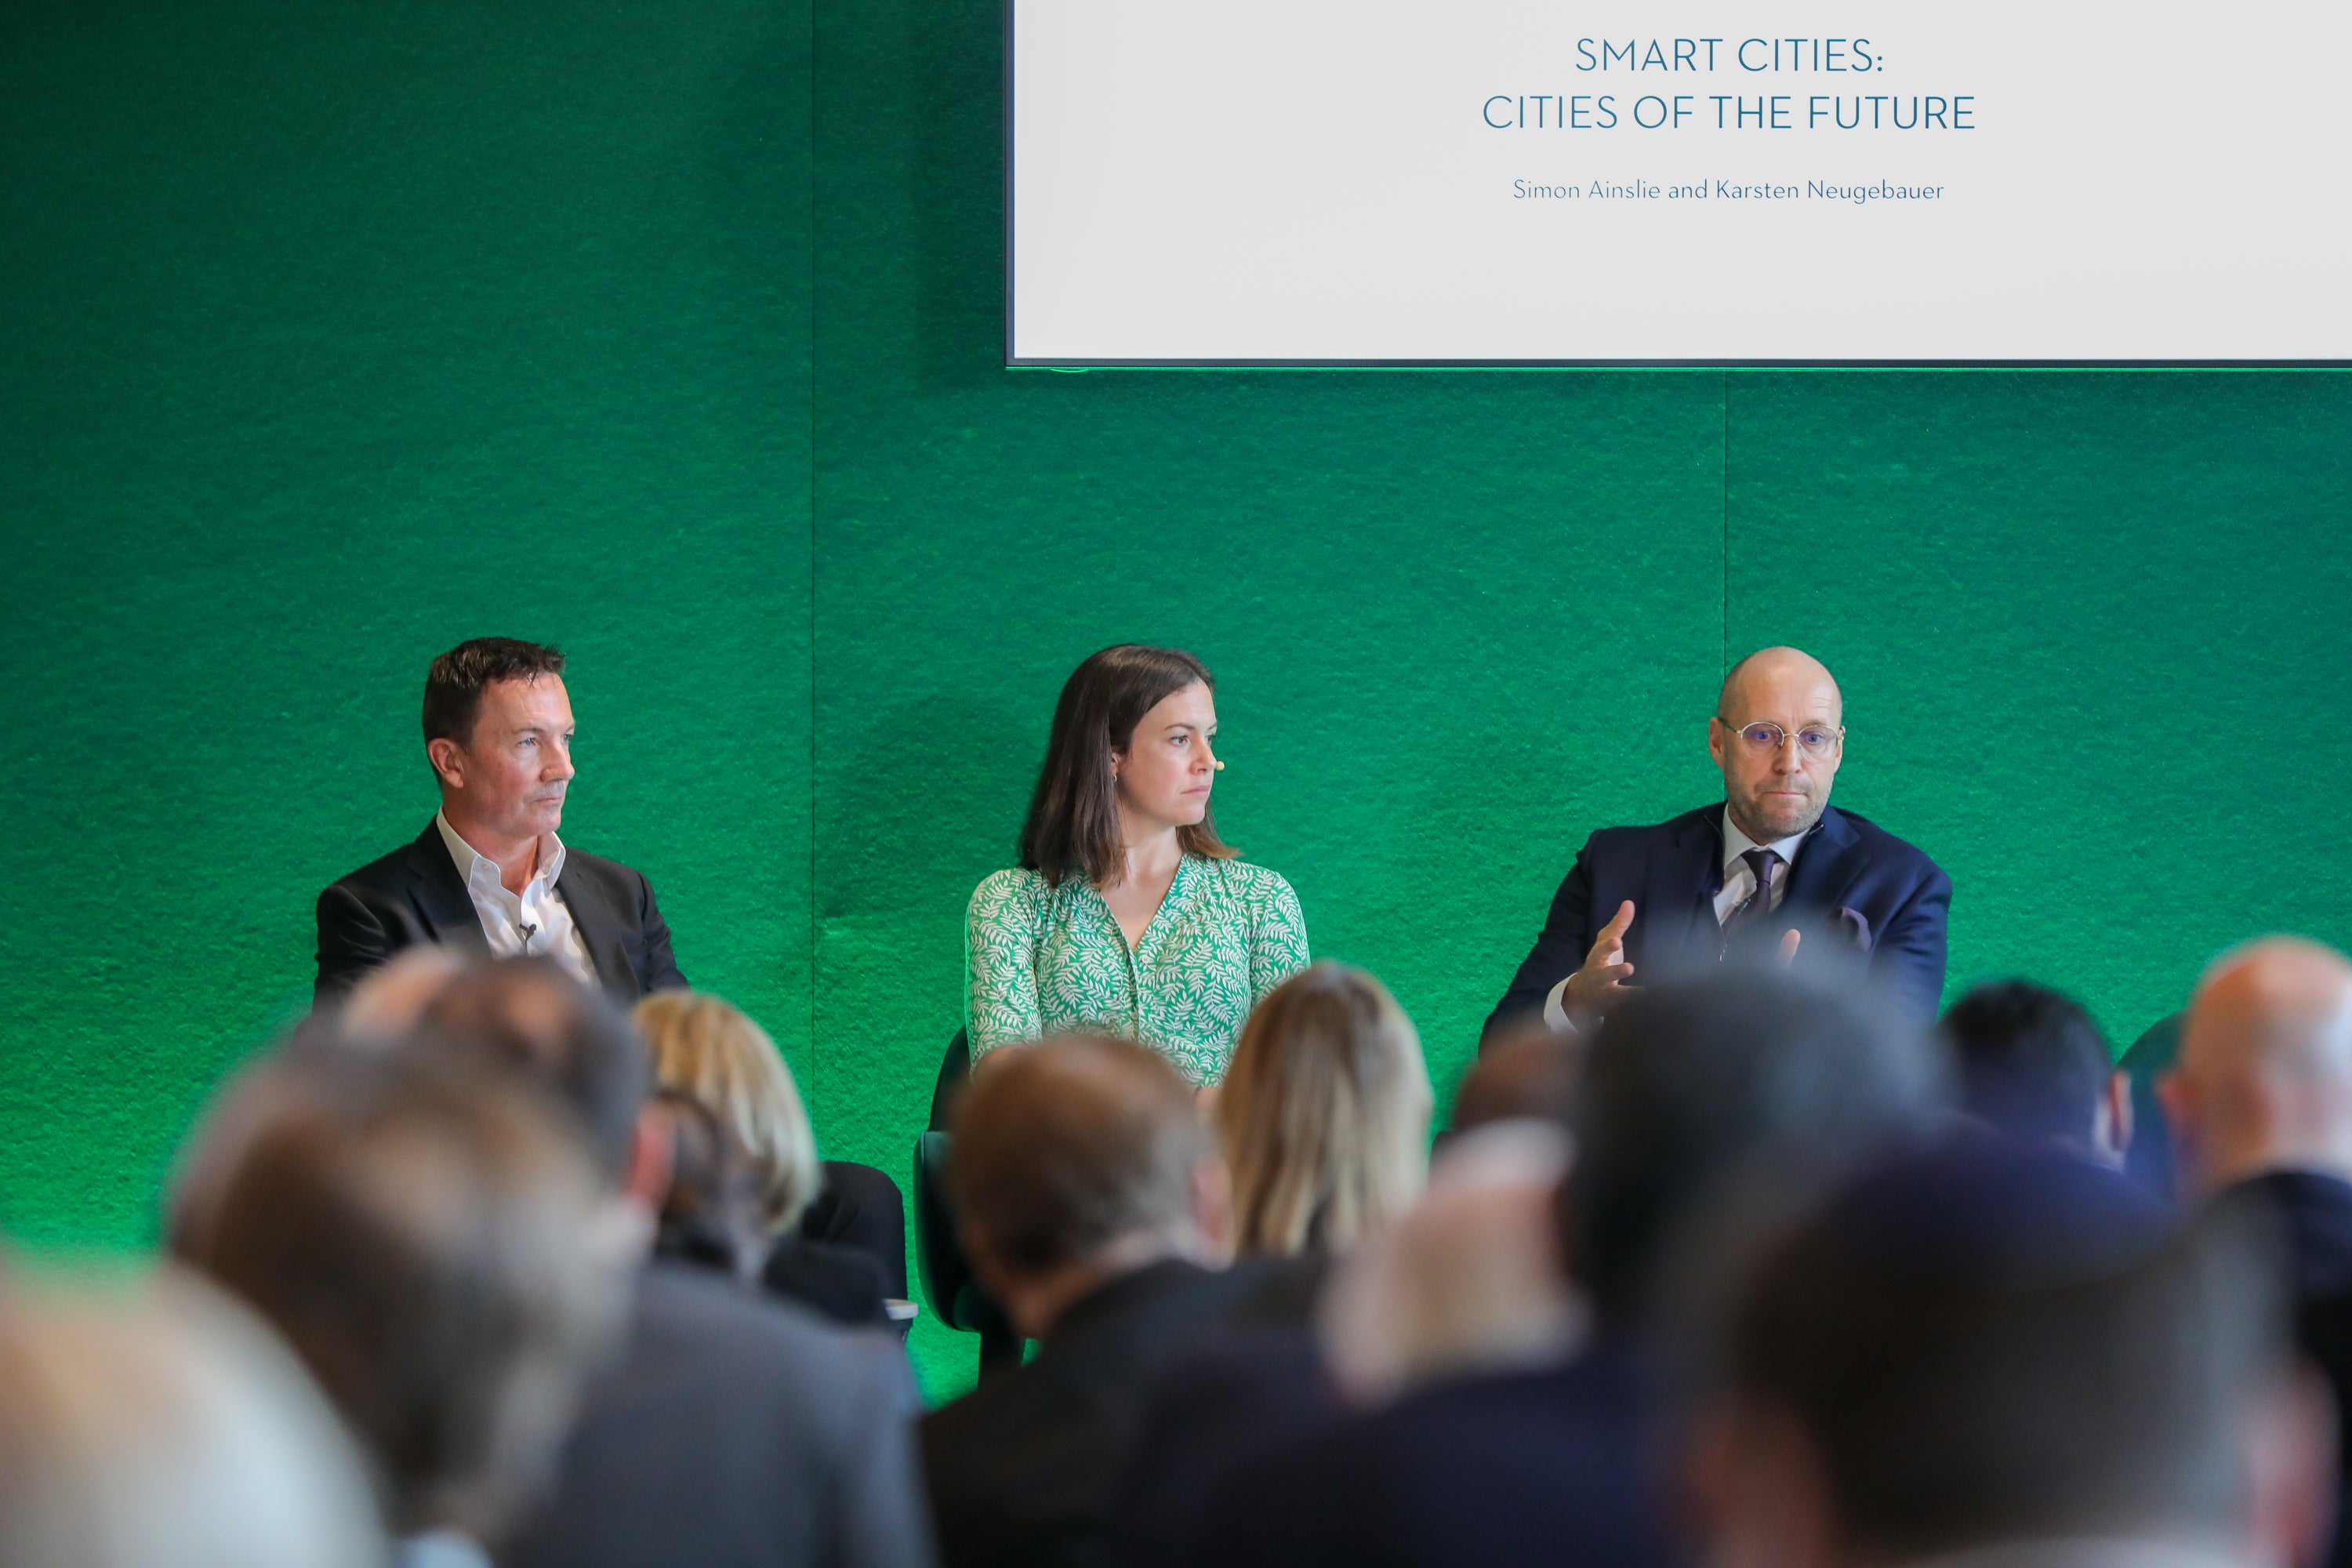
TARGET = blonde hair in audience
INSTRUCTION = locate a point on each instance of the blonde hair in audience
(156, 1425)
(710, 1051)
(1324, 1115)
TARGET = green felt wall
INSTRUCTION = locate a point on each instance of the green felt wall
(669, 330)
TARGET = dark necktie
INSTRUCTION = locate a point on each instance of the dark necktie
(1747, 917)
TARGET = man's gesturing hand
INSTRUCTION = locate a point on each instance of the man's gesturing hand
(1600, 984)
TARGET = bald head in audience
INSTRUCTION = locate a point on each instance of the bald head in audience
(2264, 1077)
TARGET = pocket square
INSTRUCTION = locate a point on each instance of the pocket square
(1855, 928)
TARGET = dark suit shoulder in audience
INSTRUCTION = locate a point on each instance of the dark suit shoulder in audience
(2315, 1216)
(1224, 1404)
(839, 1284)
(738, 1431)
(1025, 1470)
(1551, 1467)
(2314, 1213)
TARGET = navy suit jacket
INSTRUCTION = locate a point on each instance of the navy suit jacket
(2312, 1222)
(1549, 1469)
(413, 895)
(1855, 887)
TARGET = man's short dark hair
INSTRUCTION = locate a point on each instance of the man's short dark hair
(1992, 1343)
(530, 1015)
(453, 686)
(1736, 1081)
(1070, 1144)
(2031, 1062)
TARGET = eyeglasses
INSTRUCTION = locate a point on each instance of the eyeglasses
(1762, 737)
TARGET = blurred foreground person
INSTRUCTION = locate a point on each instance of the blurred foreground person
(2034, 1065)
(2261, 1097)
(1092, 1205)
(1526, 1073)
(1466, 1279)
(734, 1430)
(1471, 1281)
(1323, 1115)
(161, 1428)
(709, 1051)
(435, 1246)
(1990, 1355)
(1701, 1109)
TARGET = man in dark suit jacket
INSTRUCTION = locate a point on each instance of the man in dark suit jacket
(2263, 1088)
(1083, 1180)
(1774, 865)
(489, 876)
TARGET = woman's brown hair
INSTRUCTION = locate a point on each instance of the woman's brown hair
(1072, 826)
(1323, 1115)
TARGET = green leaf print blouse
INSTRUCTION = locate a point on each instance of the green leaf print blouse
(1039, 960)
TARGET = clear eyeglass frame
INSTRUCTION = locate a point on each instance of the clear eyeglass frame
(1764, 736)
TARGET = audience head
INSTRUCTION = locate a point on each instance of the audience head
(2032, 1064)
(385, 1005)
(1130, 743)
(161, 1428)
(529, 1018)
(2263, 1080)
(1324, 1115)
(712, 1212)
(709, 1051)
(498, 730)
(1991, 1344)
(1703, 1102)
(1470, 1282)
(434, 1242)
(1530, 1074)
(1076, 1159)
(1779, 734)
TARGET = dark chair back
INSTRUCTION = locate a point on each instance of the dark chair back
(955, 1297)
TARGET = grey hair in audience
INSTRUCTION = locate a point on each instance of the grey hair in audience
(155, 1425)
(531, 1015)
(436, 1245)
(1738, 1089)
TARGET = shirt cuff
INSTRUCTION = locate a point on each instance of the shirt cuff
(1556, 1005)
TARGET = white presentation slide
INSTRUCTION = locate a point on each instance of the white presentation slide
(1710, 182)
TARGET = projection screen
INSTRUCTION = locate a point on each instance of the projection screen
(1497, 181)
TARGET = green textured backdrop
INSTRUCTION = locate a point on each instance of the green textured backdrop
(331, 332)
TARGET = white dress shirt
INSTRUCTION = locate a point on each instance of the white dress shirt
(1739, 883)
(539, 906)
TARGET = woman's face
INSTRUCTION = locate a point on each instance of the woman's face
(1165, 771)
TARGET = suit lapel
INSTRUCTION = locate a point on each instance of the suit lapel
(440, 900)
(600, 929)
(1688, 877)
(1827, 868)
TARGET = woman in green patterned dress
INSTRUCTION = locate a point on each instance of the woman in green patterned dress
(1126, 912)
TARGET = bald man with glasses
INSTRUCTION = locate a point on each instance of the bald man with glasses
(1773, 869)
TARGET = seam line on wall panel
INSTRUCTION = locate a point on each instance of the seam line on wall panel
(816, 1075)
(1723, 456)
